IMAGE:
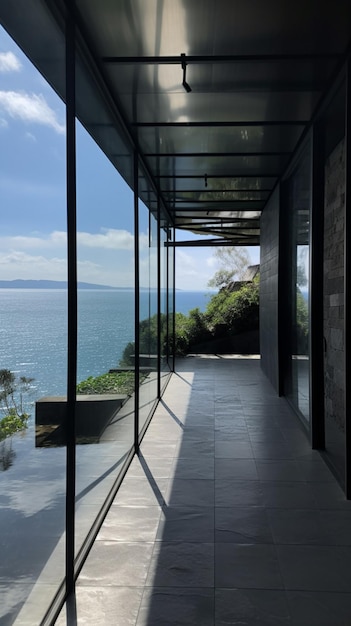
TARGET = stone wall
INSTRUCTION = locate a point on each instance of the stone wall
(334, 285)
(269, 264)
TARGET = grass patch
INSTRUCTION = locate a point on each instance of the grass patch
(111, 382)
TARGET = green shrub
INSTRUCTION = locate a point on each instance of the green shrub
(234, 312)
(12, 423)
(111, 382)
(227, 312)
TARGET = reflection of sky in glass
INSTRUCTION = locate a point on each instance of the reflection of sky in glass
(303, 262)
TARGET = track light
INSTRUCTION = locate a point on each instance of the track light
(184, 83)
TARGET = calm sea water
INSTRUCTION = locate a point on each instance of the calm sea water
(33, 331)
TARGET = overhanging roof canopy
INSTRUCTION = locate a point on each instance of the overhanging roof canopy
(215, 94)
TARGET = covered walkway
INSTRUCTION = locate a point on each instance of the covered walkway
(227, 516)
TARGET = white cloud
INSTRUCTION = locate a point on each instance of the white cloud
(18, 264)
(192, 272)
(9, 62)
(212, 262)
(30, 137)
(110, 239)
(30, 108)
(185, 263)
(3, 123)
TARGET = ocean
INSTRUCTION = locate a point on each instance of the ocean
(33, 331)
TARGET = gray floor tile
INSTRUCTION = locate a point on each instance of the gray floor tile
(247, 566)
(159, 449)
(233, 449)
(189, 524)
(158, 468)
(191, 492)
(196, 448)
(315, 470)
(330, 496)
(104, 606)
(242, 525)
(142, 492)
(338, 527)
(235, 469)
(260, 434)
(130, 524)
(271, 450)
(273, 519)
(116, 563)
(251, 607)
(181, 564)
(170, 606)
(279, 470)
(194, 468)
(297, 526)
(315, 568)
(288, 495)
(230, 423)
(320, 609)
(238, 493)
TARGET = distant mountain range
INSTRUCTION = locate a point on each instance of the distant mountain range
(47, 284)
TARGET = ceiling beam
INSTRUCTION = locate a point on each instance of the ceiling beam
(220, 58)
(212, 124)
(215, 154)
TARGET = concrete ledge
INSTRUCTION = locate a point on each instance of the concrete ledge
(93, 414)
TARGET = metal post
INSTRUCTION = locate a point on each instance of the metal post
(347, 278)
(72, 294)
(284, 273)
(158, 299)
(174, 298)
(137, 303)
(317, 423)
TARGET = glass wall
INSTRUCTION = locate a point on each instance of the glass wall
(170, 296)
(148, 314)
(33, 336)
(298, 203)
(34, 321)
(164, 339)
(105, 253)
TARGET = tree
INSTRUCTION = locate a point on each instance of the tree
(234, 261)
(11, 403)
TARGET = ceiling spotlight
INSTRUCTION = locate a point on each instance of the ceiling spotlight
(184, 83)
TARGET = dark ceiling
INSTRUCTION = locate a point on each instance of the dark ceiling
(215, 94)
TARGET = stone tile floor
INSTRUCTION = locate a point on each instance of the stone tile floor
(226, 517)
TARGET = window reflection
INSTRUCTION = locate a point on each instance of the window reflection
(299, 195)
(33, 339)
(105, 405)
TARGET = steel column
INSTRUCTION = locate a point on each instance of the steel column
(317, 424)
(71, 293)
(158, 299)
(136, 303)
(347, 278)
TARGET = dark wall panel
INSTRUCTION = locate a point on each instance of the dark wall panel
(269, 289)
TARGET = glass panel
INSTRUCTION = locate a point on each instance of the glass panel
(164, 308)
(33, 338)
(299, 202)
(148, 313)
(105, 404)
(226, 139)
(171, 288)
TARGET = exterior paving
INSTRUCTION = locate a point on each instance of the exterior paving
(226, 517)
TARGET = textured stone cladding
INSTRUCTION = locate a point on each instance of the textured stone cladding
(334, 285)
(269, 260)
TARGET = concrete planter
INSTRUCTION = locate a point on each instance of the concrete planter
(93, 414)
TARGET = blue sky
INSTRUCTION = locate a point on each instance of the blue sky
(32, 194)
